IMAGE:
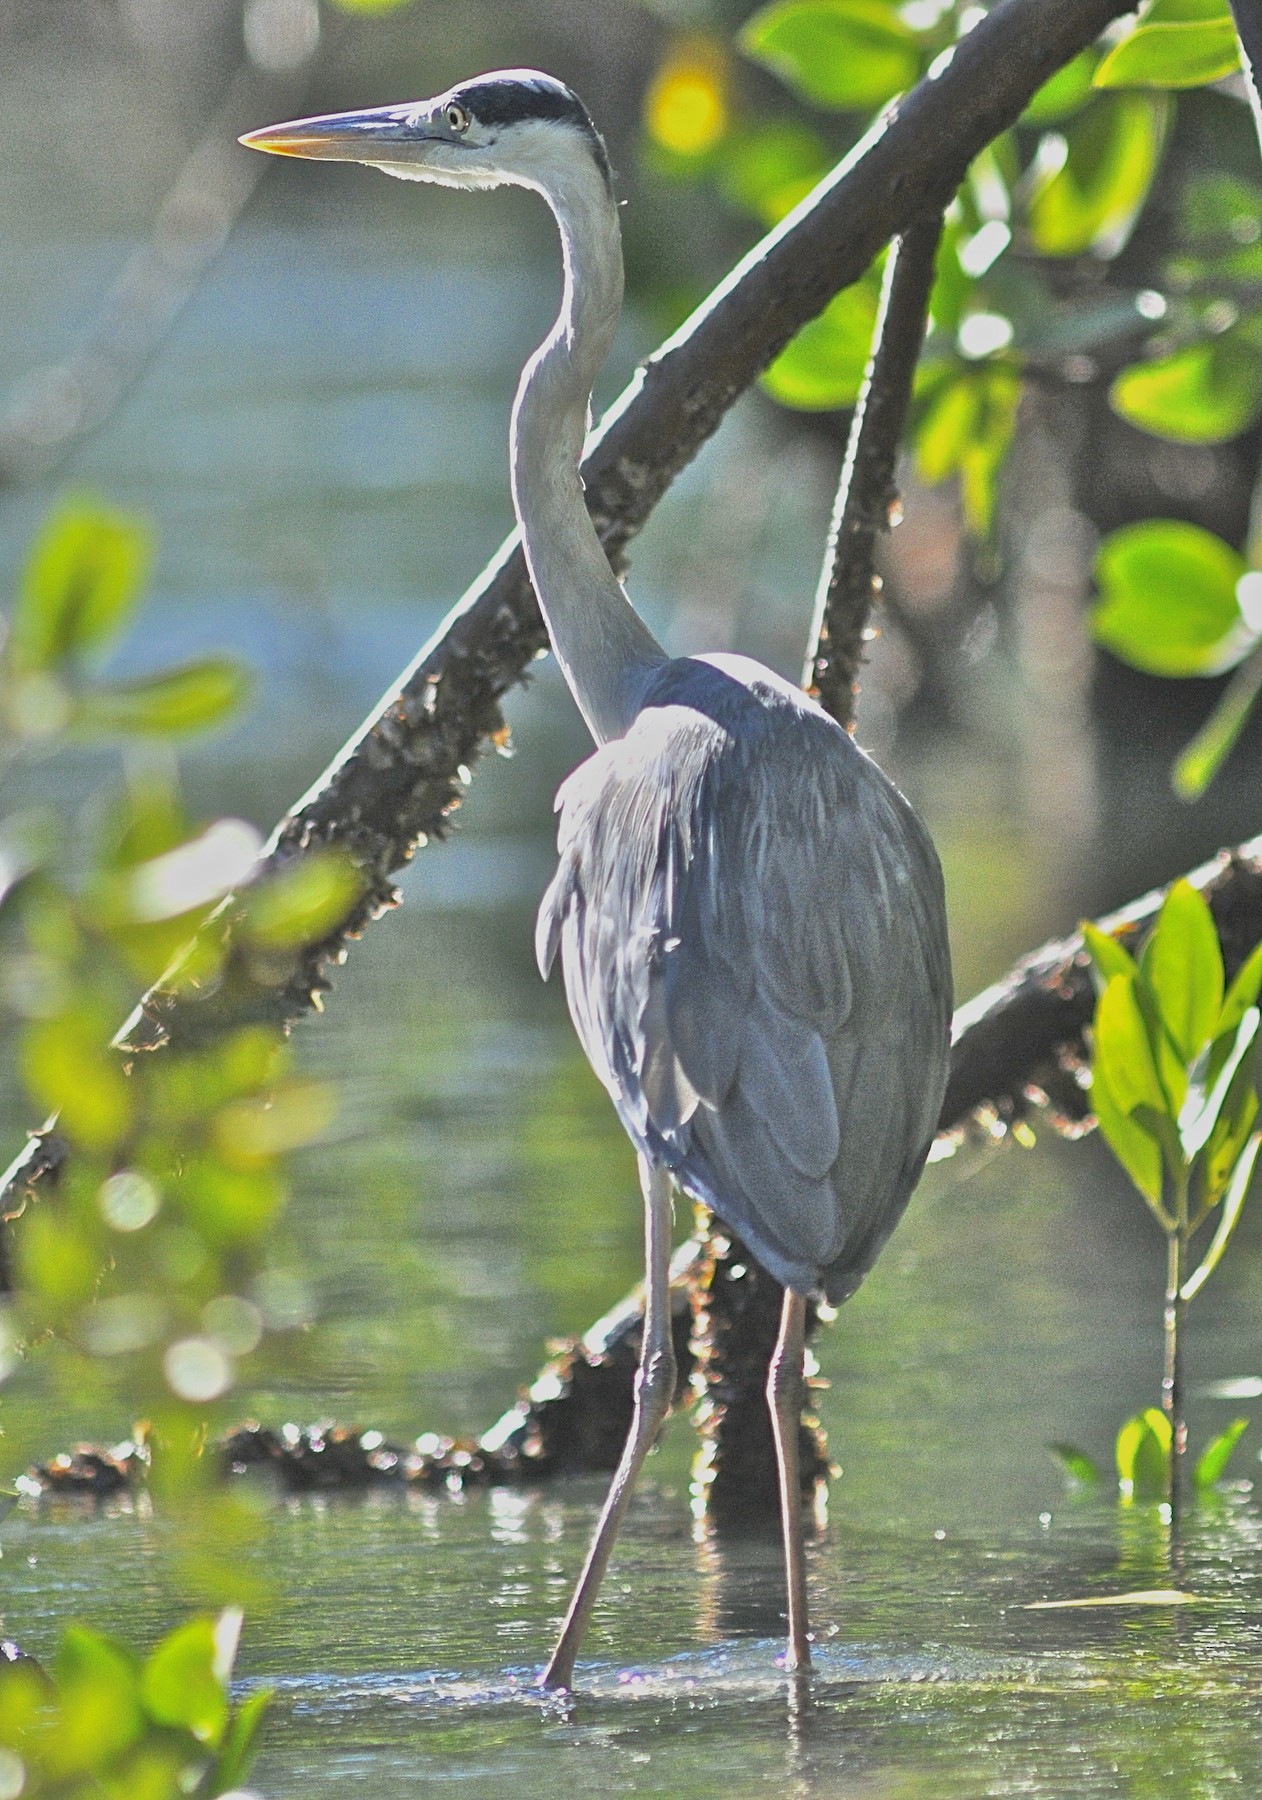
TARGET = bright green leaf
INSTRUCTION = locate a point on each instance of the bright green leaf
(1168, 600)
(766, 170)
(83, 577)
(1212, 1463)
(1108, 955)
(1233, 1204)
(1124, 1049)
(179, 1684)
(1138, 1152)
(1065, 93)
(69, 1068)
(823, 367)
(1204, 756)
(1096, 178)
(302, 903)
(1203, 394)
(1077, 1464)
(849, 54)
(1182, 12)
(1183, 965)
(1172, 56)
(177, 701)
(984, 454)
(947, 427)
(240, 1744)
(99, 1710)
(1242, 994)
(1143, 1456)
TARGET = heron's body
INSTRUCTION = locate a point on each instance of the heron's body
(750, 917)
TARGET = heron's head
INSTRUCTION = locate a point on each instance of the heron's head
(515, 125)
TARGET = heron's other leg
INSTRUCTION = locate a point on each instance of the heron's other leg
(785, 1382)
(654, 1390)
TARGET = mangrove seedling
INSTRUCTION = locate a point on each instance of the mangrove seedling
(1174, 1075)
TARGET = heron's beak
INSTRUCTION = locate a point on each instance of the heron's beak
(341, 137)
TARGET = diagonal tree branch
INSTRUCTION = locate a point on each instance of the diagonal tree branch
(866, 495)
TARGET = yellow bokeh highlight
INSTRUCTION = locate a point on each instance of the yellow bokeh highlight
(686, 108)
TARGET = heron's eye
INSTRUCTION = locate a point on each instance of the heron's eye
(457, 117)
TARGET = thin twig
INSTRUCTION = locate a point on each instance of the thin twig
(866, 495)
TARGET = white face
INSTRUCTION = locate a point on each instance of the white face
(444, 140)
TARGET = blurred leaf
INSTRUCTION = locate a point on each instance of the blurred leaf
(179, 1684)
(1172, 56)
(1183, 966)
(1212, 1463)
(1168, 600)
(59, 1266)
(984, 454)
(195, 873)
(1096, 178)
(84, 575)
(1077, 1464)
(1233, 1204)
(1241, 995)
(228, 1206)
(371, 6)
(1203, 394)
(849, 54)
(303, 903)
(254, 1130)
(1204, 756)
(767, 169)
(99, 1709)
(1230, 1113)
(170, 704)
(240, 1744)
(686, 108)
(824, 365)
(1143, 1455)
(68, 1068)
(1108, 956)
(1065, 93)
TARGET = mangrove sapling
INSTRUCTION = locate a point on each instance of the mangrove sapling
(1174, 1073)
(1142, 1456)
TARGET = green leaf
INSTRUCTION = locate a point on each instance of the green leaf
(766, 170)
(180, 1686)
(1136, 1149)
(1211, 1465)
(69, 1068)
(1172, 56)
(1203, 757)
(1143, 1456)
(99, 1711)
(173, 703)
(1233, 1205)
(1110, 957)
(82, 578)
(824, 366)
(848, 54)
(1203, 394)
(302, 903)
(1096, 178)
(984, 455)
(1241, 995)
(947, 426)
(1065, 93)
(1077, 1464)
(240, 1744)
(1168, 601)
(1183, 966)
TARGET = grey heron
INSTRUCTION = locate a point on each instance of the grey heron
(750, 917)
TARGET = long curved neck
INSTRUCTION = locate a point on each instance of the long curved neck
(605, 650)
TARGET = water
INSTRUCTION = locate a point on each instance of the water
(321, 448)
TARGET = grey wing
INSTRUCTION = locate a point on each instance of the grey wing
(756, 963)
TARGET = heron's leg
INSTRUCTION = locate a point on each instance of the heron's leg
(654, 1391)
(785, 1378)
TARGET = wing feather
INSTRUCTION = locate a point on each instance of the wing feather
(752, 933)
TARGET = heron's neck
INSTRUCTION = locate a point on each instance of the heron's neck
(606, 651)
